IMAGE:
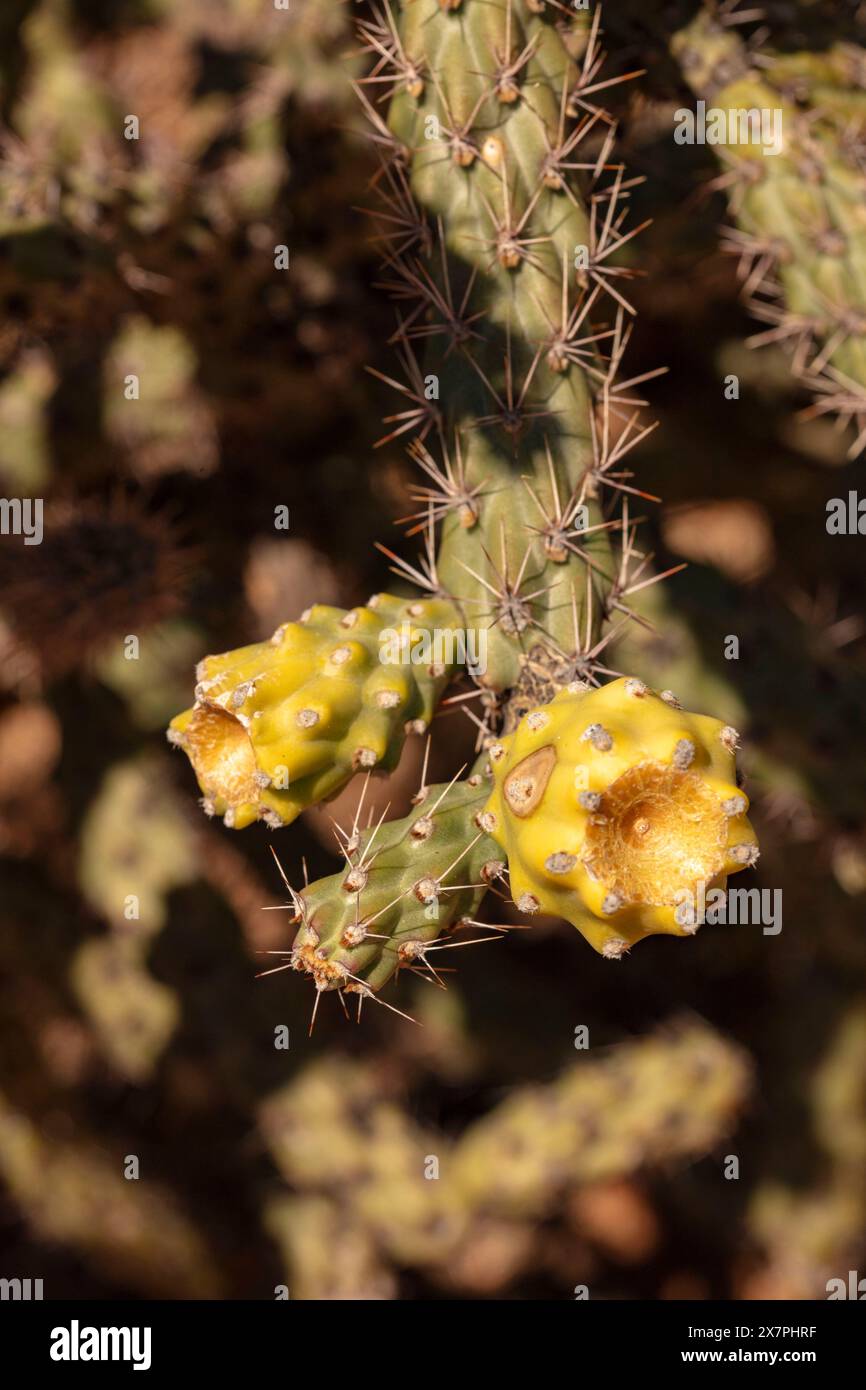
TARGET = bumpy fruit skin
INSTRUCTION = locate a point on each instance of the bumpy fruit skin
(613, 806)
(280, 725)
(406, 884)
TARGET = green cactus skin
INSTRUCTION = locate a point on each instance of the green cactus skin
(330, 1256)
(509, 274)
(809, 1236)
(135, 841)
(799, 213)
(669, 1096)
(406, 882)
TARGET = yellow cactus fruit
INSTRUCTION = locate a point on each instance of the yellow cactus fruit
(619, 811)
(280, 725)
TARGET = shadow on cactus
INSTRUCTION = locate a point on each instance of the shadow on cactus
(503, 214)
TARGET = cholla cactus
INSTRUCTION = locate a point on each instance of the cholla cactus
(405, 884)
(503, 216)
(796, 195)
(810, 1237)
(74, 1195)
(665, 1099)
(134, 831)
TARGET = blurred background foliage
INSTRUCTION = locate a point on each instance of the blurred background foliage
(148, 1036)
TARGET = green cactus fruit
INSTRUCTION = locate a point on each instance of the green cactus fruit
(406, 883)
(280, 725)
(797, 192)
(615, 807)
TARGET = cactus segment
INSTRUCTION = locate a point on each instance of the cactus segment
(406, 883)
(798, 203)
(280, 725)
(662, 1098)
(517, 281)
(658, 1100)
(614, 807)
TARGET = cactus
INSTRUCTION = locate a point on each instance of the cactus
(406, 883)
(282, 724)
(73, 1194)
(614, 819)
(504, 264)
(810, 1236)
(799, 231)
(136, 847)
(329, 1255)
(511, 344)
(664, 1099)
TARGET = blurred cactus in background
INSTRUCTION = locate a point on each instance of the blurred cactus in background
(205, 209)
(796, 185)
